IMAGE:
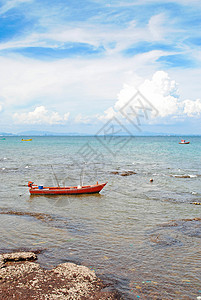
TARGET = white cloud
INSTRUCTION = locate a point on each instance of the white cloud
(22, 80)
(80, 119)
(1, 107)
(26, 81)
(156, 26)
(163, 99)
(96, 36)
(143, 2)
(66, 116)
(69, 81)
(40, 116)
(192, 108)
(11, 4)
(160, 91)
(108, 114)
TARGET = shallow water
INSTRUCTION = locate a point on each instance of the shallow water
(145, 237)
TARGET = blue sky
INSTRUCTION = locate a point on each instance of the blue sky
(68, 66)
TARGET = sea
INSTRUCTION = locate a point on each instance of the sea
(142, 237)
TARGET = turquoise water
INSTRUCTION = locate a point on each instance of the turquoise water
(145, 237)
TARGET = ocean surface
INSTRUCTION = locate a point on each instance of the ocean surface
(143, 237)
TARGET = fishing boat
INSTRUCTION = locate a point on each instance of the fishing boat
(70, 190)
(26, 140)
(184, 142)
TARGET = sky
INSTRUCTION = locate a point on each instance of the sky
(75, 66)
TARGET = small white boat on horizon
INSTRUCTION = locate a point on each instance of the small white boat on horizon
(184, 142)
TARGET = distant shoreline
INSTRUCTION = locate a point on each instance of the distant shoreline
(94, 135)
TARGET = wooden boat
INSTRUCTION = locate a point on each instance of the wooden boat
(70, 190)
(26, 140)
(184, 142)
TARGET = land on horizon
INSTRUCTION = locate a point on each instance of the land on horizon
(76, 134)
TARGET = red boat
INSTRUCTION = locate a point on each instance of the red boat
(70, 190)
(184, 142)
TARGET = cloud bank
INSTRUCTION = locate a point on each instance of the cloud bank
(161, 93)
(40, 115)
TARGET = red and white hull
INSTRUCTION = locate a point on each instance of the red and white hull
(71, 190)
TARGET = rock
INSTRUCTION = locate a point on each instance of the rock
(38, 216)
(124, 173)
(18, 256)
(1, 262)
(27, 280)
(70, 269)
(181, 176)
(128, 173)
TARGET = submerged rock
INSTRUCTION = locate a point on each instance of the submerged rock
(180, 176)
(38, 216)
(124, 173)
(185, 176)
(128, 173)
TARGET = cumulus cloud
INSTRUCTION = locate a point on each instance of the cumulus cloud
(23, 81)
(80, 119)
(40, 116)
(158, 96)
(192, 108)
(160, 91)
(1, 107)
(108, 114)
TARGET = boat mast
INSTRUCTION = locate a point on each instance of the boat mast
(55, 176)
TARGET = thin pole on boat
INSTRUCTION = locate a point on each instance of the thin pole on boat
(55, 176)
(82, 175)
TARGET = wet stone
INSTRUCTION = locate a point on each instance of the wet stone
(19, 256)
(22, 279)
(1, 262)
(124, 173)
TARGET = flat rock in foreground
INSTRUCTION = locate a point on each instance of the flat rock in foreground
(17, 256)
(27, 280)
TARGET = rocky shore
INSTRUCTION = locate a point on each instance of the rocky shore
(22, 278)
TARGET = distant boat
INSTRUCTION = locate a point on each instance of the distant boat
(70, 190)
(184, 142)
(26, 140)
